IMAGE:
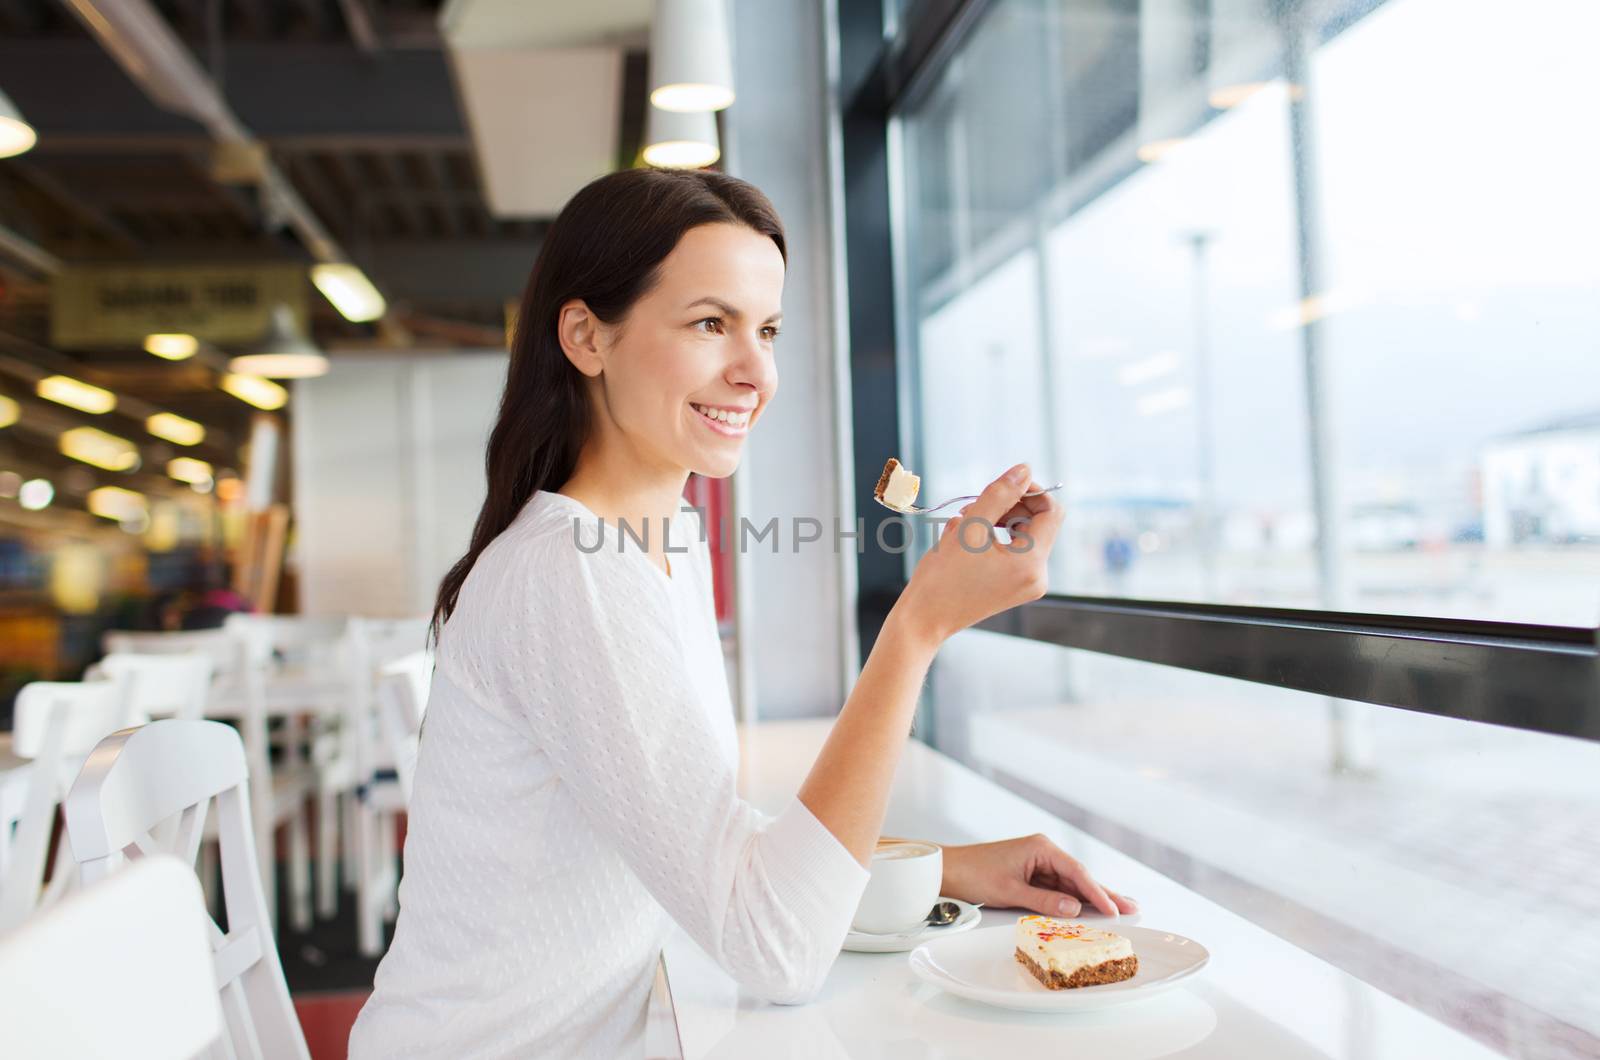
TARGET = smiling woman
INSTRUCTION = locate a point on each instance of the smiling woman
(576, 792)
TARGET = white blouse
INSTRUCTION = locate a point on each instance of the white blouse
(575, 794)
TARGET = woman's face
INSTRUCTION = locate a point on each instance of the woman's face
(690, 370)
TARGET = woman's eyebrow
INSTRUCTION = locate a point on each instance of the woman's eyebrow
(727, 309)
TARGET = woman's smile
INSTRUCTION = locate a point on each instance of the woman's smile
(727, 420)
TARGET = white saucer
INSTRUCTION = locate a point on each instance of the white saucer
(866, 942)
(981, 966)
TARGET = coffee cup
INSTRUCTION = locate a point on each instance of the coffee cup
(902, 888)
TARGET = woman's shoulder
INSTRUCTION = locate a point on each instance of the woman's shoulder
(556, 544)
(553, 526)
(546, 579)
(554, 553)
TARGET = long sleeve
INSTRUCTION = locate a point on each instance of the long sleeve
(588, 652)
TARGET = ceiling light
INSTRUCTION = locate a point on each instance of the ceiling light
(679, 140)
(36, 494)
(114, 502)
(10, 411)
(65, 390)
(175, 429)
(254, 390)
(348, 288)
(174, 346)
(187, 469)
(16, 135)
(97, 448)
(691, 67)
(284, 353)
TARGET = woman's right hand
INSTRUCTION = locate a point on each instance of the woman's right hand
(970, 574)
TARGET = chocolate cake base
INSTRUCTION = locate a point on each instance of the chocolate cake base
(1094, 975)
(883, 479)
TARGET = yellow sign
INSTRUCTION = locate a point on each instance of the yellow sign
(119, 305)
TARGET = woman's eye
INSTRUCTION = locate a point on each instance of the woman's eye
(710, 325)
(769, 333)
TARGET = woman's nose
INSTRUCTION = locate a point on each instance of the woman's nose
(754, 366)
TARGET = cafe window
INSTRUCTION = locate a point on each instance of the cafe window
(1327, 343)
(1302, 312)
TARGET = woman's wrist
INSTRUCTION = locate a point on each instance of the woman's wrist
(906, 622)
(953, 883)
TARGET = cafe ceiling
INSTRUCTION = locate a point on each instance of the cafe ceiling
(354, 100)
(356, 103)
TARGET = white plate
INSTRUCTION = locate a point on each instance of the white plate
(866, 942)
(981, 966)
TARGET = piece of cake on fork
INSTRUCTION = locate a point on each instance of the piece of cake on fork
(897, 487)
(1064, 955)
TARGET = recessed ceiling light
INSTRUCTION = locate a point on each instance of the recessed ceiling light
(348, 288)
(175, 429)
(36, 494)
(74, 393)
(254, 390)
(16, 135)
(174, 346)
(114, 502)
(99, 449)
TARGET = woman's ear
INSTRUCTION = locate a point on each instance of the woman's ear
(580, 333)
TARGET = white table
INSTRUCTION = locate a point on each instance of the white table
(1259, 997)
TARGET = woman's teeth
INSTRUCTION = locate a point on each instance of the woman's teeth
(732, 419)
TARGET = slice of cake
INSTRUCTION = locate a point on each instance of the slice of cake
(896, 487)
(1063, 955)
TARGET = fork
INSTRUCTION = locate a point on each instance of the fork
(914, 510)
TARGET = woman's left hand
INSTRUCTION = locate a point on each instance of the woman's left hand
(1029, 872)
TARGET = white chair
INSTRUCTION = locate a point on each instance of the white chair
(310, 675)
(305, 651)
(303, 638)
(139, 779)
(122, 968)
(402, 701)
(402, 696)
(168, 686)
(238, 694)
(55, 725)
(160, 686)
(355, 771)
(305, 664)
